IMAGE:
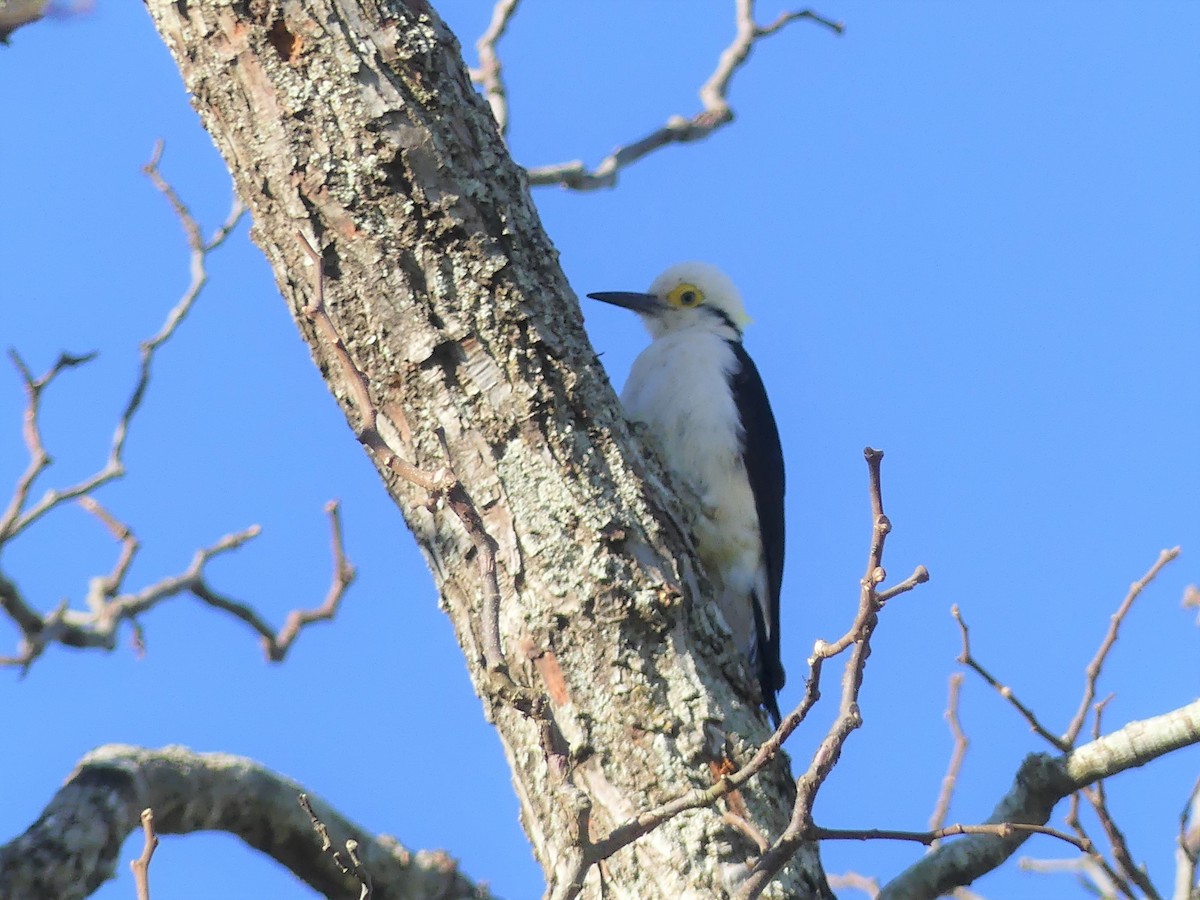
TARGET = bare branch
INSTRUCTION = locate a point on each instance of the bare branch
(206, 792)
(1040, 784)
(1098, 868)
(1098, 798)
(106, 606)
(627, 832)
(18, 518)
(344, 573)
(680, 130)
(1095, 875)
(1093, 668)
(968, 660)
(714, 93)
(39, 459)
(489, 75)
(920, 575)
(801, 829)
(104, 588)
(97, 626)
(931, 838)
(950, 779)
(141, 865)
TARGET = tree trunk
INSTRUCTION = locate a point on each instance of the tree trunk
(352, 127)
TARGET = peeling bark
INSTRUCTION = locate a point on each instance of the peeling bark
(353, 126)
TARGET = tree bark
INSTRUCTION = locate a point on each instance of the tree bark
(352, 125)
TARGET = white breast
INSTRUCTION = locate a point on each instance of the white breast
(679, 387)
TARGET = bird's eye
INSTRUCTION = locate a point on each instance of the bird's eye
(686, 295)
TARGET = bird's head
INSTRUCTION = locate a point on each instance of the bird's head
(687, 295)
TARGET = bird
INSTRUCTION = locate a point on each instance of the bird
(705, 411)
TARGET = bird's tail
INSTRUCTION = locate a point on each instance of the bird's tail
(771, 676)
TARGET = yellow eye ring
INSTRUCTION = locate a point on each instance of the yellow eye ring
(685, 296)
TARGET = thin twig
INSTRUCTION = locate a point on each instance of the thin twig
(489, 75)
(740, 822)
(141, 865)
(1098, 868)
(1098, 877)
(39, 459)
(344, 573)
(1092, 671)
(800, 829)
(967, 659)
(15, 520)
(714, 93)
(103, 588)
(317, 825)
(355, 868)
(97, 627)
(360, 871)
(643, 824)
(716, 110)
(856, 882)
(957, 755)
(930, 838)
(1098, 798)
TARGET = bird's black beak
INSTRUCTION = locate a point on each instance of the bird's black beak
(646, 304)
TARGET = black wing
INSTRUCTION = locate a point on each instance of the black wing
(762, 455)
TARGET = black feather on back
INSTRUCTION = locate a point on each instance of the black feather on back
(762, 455)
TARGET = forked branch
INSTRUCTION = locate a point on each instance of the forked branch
(20, 514)
(801, 829)
(714, 96)
(1041, 783)
(108, 604)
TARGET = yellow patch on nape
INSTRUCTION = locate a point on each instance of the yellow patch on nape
(685, 296)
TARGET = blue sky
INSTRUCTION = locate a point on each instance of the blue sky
(969, 234)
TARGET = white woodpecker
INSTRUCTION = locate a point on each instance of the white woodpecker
(706, 411)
